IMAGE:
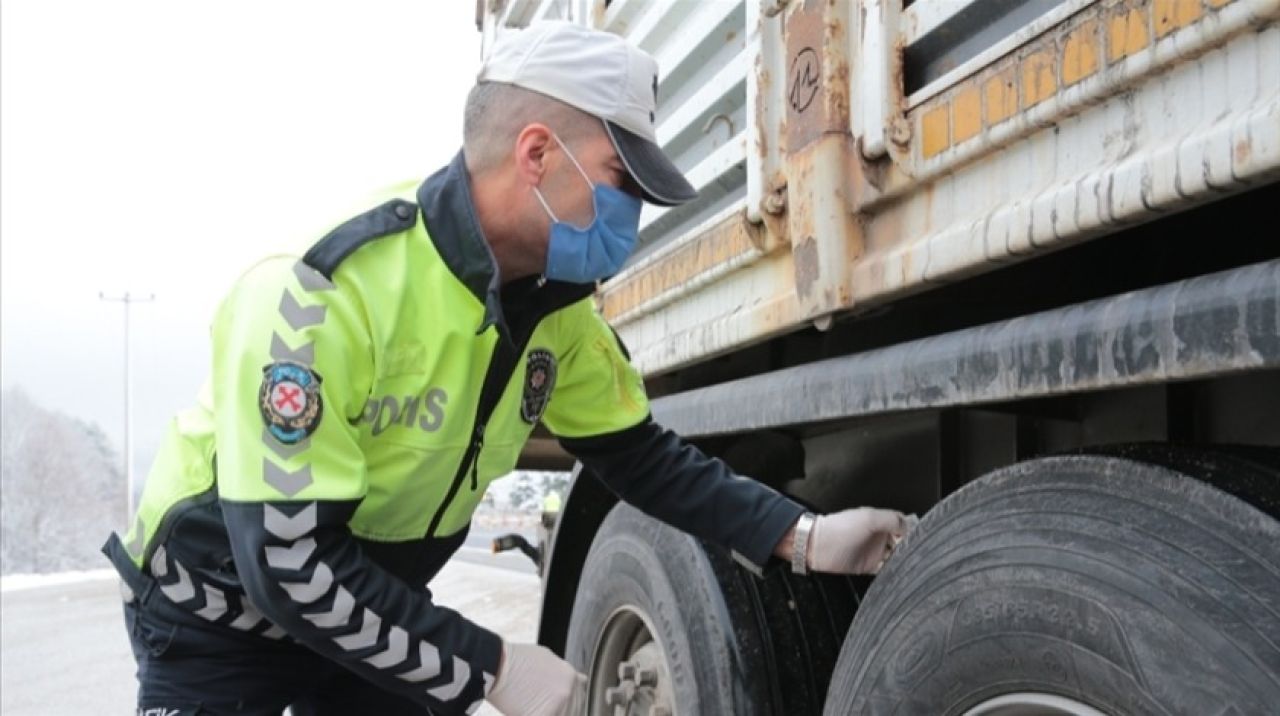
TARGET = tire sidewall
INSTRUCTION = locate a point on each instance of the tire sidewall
(638, 563)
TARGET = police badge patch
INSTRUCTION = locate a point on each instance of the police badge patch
(290, 401)
(539, 379)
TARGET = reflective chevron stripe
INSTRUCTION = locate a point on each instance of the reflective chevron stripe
(312, 591)
(428, 664)
(249, 617)
(286, 527)
(292, 557)
(366, 637)
(302, 355)
(288, 482)
(339, 615)
(396, 652)
(215, 603)
(160, 562)
(299, 316)
(311, 279)
(450, 691)
(180, 591)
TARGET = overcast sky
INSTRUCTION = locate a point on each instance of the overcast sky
(162, 147)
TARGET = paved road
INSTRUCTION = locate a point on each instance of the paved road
(63, 649)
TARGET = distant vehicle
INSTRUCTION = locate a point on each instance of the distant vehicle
(1009, 264)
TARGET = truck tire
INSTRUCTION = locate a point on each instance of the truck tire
(648, 597)
(698, 633)
(1079, 585)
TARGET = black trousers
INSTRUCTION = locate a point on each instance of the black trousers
(188, 666)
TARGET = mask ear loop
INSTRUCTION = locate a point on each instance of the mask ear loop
(545, 206)
(574, 159)
(541, 199)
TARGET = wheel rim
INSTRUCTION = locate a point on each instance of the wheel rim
(1023, 703)
(629, 672)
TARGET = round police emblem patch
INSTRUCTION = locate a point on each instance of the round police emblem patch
(289, 400)
(539, 379)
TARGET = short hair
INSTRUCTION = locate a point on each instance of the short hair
(496, 113)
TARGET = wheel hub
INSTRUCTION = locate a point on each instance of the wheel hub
(629, 674)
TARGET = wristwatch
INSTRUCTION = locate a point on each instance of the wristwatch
(800, 544)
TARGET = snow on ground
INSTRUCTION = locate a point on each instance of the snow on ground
(20, 582)
(63, 648)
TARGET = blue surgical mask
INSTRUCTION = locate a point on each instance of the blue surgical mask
(597, 251)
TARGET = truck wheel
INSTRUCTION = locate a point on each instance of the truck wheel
(663, 626)
(1079, 585)
(649, 625)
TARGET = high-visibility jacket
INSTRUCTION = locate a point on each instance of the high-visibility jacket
(361, 400)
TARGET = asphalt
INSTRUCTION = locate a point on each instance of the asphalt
(63, 648)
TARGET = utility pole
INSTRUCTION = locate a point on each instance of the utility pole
(127, 300)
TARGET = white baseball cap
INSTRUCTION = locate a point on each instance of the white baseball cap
(603, 75)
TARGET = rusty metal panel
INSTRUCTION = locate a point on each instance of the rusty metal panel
(1079, 138)
(828, 189)
(809, 115)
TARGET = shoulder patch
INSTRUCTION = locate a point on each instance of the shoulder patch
(289, 400)
(539, 380)
(390, 218)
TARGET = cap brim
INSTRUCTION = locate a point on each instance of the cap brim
(660, 181)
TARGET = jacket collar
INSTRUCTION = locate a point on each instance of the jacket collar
(450, 216)
(454, 228)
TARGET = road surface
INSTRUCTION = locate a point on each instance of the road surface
(63, 648)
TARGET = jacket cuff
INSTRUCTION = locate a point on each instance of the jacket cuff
(755, 553)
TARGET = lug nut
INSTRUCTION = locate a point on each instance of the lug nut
(647, 677)
(620, 695)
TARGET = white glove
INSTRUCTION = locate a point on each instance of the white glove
(856, 541)
(533, 681)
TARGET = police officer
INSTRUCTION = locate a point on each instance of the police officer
(362, 398)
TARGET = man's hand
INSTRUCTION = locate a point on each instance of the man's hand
(856, 541)
(533, 681)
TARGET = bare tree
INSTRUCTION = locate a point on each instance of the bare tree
(61, 491)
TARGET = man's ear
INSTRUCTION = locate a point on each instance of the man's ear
(532, 145)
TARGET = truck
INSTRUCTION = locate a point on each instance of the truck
(1010, 265)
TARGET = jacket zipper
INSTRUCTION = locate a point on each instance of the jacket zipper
(470, 459)
(494, 385)
(496, 378)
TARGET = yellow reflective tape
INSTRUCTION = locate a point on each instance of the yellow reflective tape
(967, 109)
(1173, 15)
(1001, 97)
(935, 127)
(1127, 33)
(1080, 53)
